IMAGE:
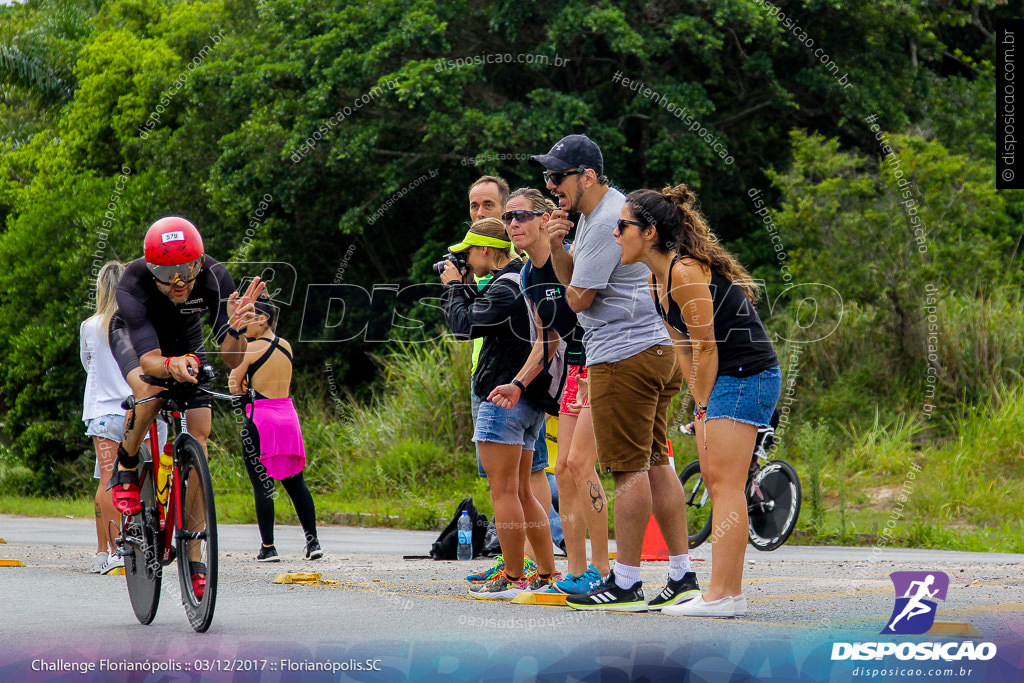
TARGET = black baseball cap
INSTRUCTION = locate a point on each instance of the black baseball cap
(572, 151)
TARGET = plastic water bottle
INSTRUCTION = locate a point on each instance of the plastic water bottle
(465, 551)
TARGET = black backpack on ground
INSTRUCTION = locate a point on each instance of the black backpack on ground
(492, 547)
(447, 544)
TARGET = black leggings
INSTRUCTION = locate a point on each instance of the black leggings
(263, 490)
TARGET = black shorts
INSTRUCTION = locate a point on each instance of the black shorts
(127, 359)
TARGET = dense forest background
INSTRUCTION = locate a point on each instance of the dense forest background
(332, 143)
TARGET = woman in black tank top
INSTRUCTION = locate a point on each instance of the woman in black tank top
(707, 301)
(272, 446)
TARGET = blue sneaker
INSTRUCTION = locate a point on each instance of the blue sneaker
(578, 585)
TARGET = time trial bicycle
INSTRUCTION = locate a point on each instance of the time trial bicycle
(178, 518)
(772, 490)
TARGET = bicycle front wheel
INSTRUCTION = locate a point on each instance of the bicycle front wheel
(141, 546)
(196, 540)
(773, 503)
(698, 504)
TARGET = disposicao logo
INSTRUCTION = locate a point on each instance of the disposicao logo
(916, 592)
(914, 614)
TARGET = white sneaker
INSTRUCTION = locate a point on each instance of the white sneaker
(113, 562)
(98, 561)
(739, 603)
(723, 607)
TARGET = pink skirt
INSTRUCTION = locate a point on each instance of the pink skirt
(281, 449)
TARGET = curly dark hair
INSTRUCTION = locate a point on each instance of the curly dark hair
(675, 214)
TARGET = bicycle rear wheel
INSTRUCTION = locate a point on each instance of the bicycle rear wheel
(141, 546)
(773, 502)
(698, 504)
(196, 541)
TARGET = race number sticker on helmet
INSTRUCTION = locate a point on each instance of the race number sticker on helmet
(176, 236)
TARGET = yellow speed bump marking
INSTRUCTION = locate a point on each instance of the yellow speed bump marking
(954, 628)
(530, 598)
(820, 596)
(305, 579)
(11, 563)
(1015, 607)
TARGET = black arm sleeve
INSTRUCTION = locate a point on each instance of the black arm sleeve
(456, 301)
(489, 314)
(140, 330)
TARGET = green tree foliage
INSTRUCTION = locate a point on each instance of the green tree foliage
(365, 123)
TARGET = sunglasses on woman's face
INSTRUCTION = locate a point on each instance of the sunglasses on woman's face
(521, 216)
(556, 177)
(621, 225)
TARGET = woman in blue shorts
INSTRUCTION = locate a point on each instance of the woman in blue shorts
(506, 437)
(707, 301)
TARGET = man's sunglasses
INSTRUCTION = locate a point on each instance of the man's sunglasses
(556, 177)
(521, 216)
(170, 275)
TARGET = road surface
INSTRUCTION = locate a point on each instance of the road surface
(411, 619)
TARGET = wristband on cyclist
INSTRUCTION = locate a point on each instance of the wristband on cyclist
(167, 361)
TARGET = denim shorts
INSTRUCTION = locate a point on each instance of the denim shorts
(112, 427)
(750, 400)
(520, 425)
(107, 426)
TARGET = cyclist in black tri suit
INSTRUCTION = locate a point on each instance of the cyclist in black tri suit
(157, 331)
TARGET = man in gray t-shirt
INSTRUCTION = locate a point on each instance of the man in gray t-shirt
(621, 322)
(633, 375)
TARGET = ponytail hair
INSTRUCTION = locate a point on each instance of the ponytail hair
(675, 214)
(106, 294)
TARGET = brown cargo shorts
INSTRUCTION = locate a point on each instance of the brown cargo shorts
(629, 403)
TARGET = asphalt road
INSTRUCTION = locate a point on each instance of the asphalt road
(413, 619)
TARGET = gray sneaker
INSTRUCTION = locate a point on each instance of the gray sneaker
(113, 562)
(98, 561)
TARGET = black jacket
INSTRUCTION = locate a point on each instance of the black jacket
(497, 313)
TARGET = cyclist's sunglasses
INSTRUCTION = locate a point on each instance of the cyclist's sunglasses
(171, 275)
(521, 216)
(556, 177)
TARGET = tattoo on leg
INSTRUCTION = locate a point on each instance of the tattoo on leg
(596, 499)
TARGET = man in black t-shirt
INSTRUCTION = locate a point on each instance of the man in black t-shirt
(157, 331)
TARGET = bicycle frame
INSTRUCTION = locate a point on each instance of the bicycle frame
(171, 508)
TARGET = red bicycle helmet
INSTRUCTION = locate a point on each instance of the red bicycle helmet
(174, 250)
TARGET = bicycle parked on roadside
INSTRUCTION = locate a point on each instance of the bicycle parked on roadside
(178, 518)
(773, 497)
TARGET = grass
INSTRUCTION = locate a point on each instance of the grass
(963, 493)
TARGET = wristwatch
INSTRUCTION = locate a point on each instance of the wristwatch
(522, 387)
(234, 333)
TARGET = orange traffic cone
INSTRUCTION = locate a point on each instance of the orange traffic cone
(655, 548)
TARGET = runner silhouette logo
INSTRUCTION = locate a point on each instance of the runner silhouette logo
(916, 593)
